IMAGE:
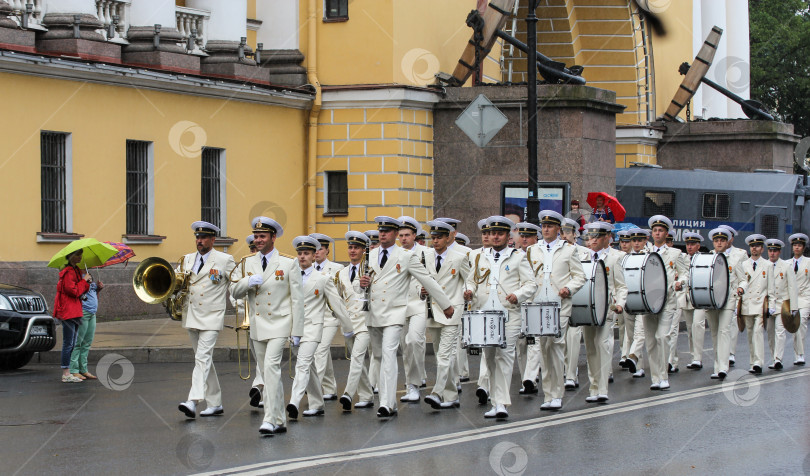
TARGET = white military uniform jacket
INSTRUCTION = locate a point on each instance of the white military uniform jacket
(683, 296)
(207, 292)
(321, 295)
(615, 274)
(736, 278)
(276, 307)
(784, 286)
(802, 280)
(452, 278)
(566, 271)
(515, 277)
(416, 305)
(331, 268)
(388, 299)
(350, 292)
(758, 284)
(677, 270)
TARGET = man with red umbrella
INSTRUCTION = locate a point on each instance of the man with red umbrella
(605, 207)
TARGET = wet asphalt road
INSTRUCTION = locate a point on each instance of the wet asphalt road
(746, 425)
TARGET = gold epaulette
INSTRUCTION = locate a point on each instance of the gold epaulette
(248, 256)
(286, 255)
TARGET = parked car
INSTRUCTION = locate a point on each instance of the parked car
(25, 326)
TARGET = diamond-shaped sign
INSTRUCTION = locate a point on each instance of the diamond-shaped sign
(481, 120)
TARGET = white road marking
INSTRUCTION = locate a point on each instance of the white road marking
(437, 441)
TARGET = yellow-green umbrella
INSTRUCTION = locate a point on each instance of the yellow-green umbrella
(95, 253)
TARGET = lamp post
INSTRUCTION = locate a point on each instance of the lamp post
(533, 201)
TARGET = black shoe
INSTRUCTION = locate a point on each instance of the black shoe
(630, 365)
(610, 378)
(279, 429)
(757, 369)
(464, 379)
(671, 369)
(330, 396)
(623, 363)
(255, 396)
(482, 395)
(528, 387)
(385, 412)
(346, 401)
(778, 365)
(721, 375)
(292, 411)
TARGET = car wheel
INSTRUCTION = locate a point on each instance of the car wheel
(14, 361)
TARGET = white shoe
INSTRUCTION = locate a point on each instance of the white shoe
(500, 411)
(189, 408)
(367, 404)
(545, 406)
(655, 386)
(799, 360)
(639, 374)
(453, 404)
(664, 385)
(312, 412)
(731, 360)
(556, 404)
(602, 398)
(592, 399)
(212, 411)
(433, 400)
(571, 384)
(266, 428)
(695, 365)
(491, 413)
(412, 395)
(330, 396)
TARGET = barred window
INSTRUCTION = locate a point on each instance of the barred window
(336, 10)
(769, 225)
(716, 205)
(55, 171)
(337, 193)
(138, 196)
(659, 203)
(212, 192)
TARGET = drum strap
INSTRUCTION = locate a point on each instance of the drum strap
(493, 303)
(548, 263)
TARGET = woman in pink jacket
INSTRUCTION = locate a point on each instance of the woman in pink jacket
(68, 308)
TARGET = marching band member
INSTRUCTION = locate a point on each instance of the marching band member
(528, 234)
(758, 287)
(319, 295)
(393, 267)
(739, 255)
(573, 336)
(801, 273)
(624, 241)
(681, 275)
(462, 240)
(373, 357)
(657, 326)
(624, 245)
(450, 270)
(256, 387)
(464, 367)
(719, 319)
(634, 324)
(323, 354)
(271, 284)
(357, 381)
(501, 280)
(421, 237)
(560, 276)
(412, 341)
(599, 339)
(695, 321)
(204, 316)
(374, 236)
(784, 289)
(454, 245)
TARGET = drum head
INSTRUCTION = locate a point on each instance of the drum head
(600, 294)
(654, 282)
(720, 281)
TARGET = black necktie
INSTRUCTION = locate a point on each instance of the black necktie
(264, 262)
(201, 265)
(596, 256)
(438, 263)
(497, 256)
(318, 267)
(384, 258)
(796, 266)
(755, 265)
(303, 273)
(354, 274)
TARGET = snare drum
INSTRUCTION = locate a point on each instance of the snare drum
(589, 306)
(483, 329)
(708, 278)
(646, 280)
(541, 319)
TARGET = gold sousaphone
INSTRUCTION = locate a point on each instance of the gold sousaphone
(155, 281)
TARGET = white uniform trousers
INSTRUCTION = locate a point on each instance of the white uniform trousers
(718, 320)
(573, 344)
(386, 341)
(413, 349)
(373, 363)
(599, 353)
(444, 346)
(798, 337)
(619, 320)
(756, 338)
(462, 363)
(777, 335)
(672, 352)
(357, 381)
(323, 361)
(695, 331)
(656, 339)
(258, 381)
(269, 353)
(553, 350)
(633, 337)
(534, 360)
(733, 334)
(204, 381)
(499, 366)
(306, 379)
(520, 355)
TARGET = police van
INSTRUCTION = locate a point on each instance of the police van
(768, 202)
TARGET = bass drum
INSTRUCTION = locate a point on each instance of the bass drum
(646, 280)
(589, 306)
(708, 279)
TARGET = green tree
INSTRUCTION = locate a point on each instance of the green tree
(780, 59)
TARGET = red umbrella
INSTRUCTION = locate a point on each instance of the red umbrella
(610, 202)
(123, 255)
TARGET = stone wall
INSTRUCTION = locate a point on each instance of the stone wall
(576, 144)
(728, 145)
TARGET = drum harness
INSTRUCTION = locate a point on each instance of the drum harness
(493, 303)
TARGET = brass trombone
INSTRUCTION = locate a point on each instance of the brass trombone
(242, 324)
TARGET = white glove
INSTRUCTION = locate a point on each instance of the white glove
(296, 340)
(348, 335)
(772, 312)
(255, 280)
